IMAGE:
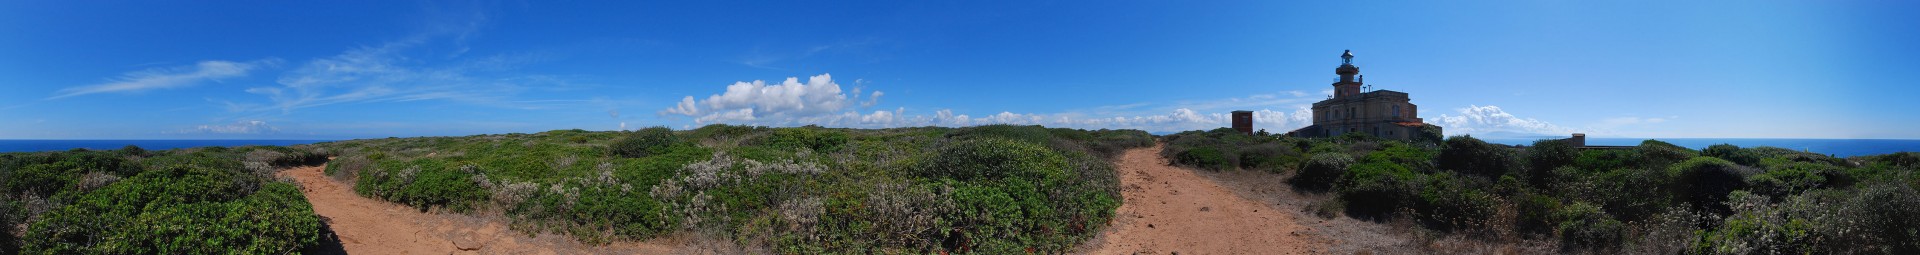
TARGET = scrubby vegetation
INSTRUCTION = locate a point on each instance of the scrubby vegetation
(134, 201)
(988, 189)
(1651, 198)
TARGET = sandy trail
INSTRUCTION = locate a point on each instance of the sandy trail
(1173, 210)
(367, 226)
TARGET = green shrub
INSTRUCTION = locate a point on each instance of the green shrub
(1908, 159)
(1732, 153)
(816, 139)
(1414, 158)
(1883, 213)
(1758, 226)
(1658, 154)
(1447, 203)
(1203, 157)
(1546, 155)
(423, 183)
(132, 150)
(1322, 171)
(1791, 178)
(1429, 134)
(993, 159)
(1030, 134)
(10, 211)
(643, 142)
(1535, 214)
(179, 210)
(1468, 155)
(1011, 195)
(1377, 189)
(1270, 157)
(724, 131)
(1704, 182)
(1110, 143)
(1583, 226)
(1630, 194)
(1606, 160)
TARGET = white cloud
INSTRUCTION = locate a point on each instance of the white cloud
(819, 101)
(789, 101)
(1493, 120)
(241, 127)
(871, 100)
(174, 77)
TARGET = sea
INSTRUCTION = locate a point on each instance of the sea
(61, 145)
(1834, 147)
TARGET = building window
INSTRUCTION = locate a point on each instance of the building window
(1396, 111)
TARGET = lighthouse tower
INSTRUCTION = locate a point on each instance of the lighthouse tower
(1350, 81)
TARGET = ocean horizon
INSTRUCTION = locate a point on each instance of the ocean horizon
(38, 145)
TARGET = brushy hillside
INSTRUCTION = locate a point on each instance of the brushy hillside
(133, 201)
(989, 189)
(1655, 198)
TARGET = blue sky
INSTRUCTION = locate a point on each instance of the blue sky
(333, 70)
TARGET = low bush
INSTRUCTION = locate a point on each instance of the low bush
(180, 209)
(1270, 157)
(993, 159)
(1029, 134)
(1704, 182)
(1788, 179)
(1322, 171)
(1732, 153)
(1447, 203)
(424, 183)
(10, 211)
(1545, 156)
(812, 138)
(1204, 157)
(1883, 214)
(1657, 154)
(643, 142)
(1468, 155)
(131, 150)
(1585, 227)
(1377, 189)
(1535, 214)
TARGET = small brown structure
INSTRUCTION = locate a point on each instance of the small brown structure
(1243, 122)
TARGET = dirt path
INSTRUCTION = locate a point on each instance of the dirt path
(1173, 210)
(366, 226)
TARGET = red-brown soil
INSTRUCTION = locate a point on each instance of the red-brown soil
(1174, 210)
(367, 226)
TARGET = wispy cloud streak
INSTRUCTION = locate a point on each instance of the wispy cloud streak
(172, 77)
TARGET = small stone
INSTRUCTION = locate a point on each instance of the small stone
(1204, 209)
(467, 244)
(1149, 225)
